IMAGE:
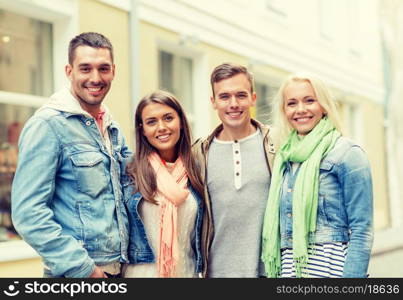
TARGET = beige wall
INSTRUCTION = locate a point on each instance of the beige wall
(148, 48)
(114, 24)
(22, 268)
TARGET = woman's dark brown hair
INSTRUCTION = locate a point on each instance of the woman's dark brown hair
(140, 169)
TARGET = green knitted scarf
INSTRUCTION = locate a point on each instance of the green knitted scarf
(308, 151)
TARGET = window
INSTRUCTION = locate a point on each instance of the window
(176, 77)
(355, 121)
(263, 105)
(26, 71)
(12, 119)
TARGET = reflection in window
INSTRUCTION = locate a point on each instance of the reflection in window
(176, 77)
(25, 55)
(12, 119)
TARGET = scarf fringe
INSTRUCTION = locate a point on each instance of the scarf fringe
(166, 267)
(272, 267)
(300, 266)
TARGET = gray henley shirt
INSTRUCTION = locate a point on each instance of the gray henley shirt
(238, 181)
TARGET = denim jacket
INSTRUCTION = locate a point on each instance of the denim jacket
(345, 205)
(66, 193)
(139, 250)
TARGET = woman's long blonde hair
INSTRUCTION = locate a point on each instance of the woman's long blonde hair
(323, 96)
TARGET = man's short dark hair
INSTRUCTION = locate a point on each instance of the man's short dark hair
(228, 70)
(92, 39)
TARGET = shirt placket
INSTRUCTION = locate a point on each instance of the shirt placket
(236, 149)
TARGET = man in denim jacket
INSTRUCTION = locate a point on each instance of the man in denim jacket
(66, 194)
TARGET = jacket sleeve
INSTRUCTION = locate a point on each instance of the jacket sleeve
(32, 195)
(356, 183)
(127, 158)
(125, 152)
(197, 152)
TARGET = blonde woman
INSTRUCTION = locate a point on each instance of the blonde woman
(319, 216)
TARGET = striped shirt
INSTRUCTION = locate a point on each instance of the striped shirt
(324, 261)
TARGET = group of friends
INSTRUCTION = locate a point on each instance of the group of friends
(293, 199)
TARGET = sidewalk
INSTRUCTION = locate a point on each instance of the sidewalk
(389, 264)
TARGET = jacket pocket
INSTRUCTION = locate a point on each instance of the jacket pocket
(89, 171)
(96, 234)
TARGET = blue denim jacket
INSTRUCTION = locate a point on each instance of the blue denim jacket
(139, 250)
(345, 205)
(66, 194)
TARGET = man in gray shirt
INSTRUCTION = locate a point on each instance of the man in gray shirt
(236, 161)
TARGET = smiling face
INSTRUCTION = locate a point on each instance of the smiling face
(301, 106)
(162, 128)
(232, 99)
(91, 75)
